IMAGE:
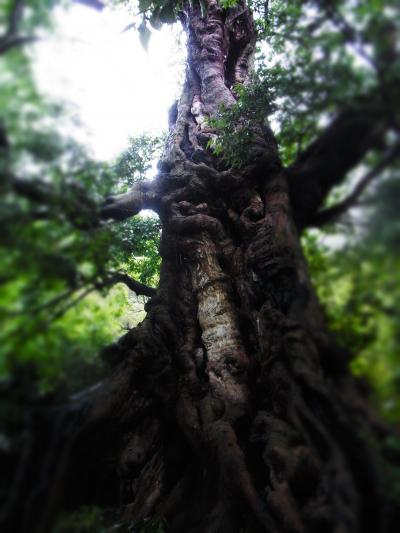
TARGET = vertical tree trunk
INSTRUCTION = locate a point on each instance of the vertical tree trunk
(230, 408)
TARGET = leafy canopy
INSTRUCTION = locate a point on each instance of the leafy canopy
(58, 306)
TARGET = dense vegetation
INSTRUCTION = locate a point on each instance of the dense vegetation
(59, 305)
(65, 275)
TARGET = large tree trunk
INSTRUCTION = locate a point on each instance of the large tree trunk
(230, 407)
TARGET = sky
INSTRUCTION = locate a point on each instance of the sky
(114, 88)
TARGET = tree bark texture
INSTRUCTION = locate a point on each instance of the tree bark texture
(230, 407)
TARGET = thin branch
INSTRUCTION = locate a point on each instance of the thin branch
(15, 17)
(117, 277)
(35, 190)
(65, 297)
(25, 333)
(78, 208)
(10, 39)
(139, 288)
(69, 305)
(351, 34)
(50, 303)
(332, 213)
(14, 42)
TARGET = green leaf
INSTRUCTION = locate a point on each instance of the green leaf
(144, 35)
(167, 14)
(228, 3)
(155, 21)
(144, 5)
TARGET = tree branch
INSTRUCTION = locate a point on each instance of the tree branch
(331, 214)
(11, 39)
(141, 196)
(139, 288)
(14, 20)
(80, 209)
(13, 42)
(77, 207)
(53, 302)
(72, 303)
(326, 162)
(351, 34)
(66, 297)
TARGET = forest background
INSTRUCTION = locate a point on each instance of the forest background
(66, 281)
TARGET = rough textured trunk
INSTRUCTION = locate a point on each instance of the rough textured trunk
(229, 408)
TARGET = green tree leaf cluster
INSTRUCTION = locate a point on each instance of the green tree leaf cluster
(58, 305)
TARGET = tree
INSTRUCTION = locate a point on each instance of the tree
(231, 407)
